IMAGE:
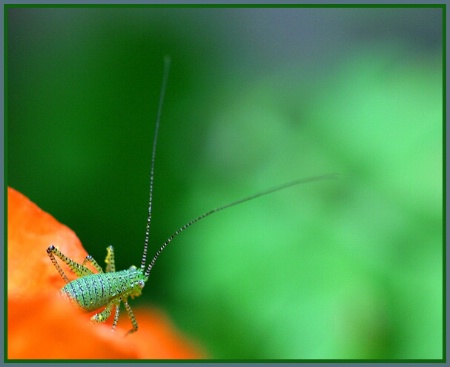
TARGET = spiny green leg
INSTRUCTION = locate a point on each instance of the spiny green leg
(131, 317)
(116, 316)
(90, 259)
(78, 269)
(50, 250)
(110, 263)
(106, 313)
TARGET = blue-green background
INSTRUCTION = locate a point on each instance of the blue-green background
(256, 97)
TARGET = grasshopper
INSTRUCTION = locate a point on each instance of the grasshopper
(92, 291)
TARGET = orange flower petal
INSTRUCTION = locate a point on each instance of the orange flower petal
(30, 232)
(49, 328)
(158, 339)
(42, 325)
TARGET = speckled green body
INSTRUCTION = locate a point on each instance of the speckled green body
(93, 291)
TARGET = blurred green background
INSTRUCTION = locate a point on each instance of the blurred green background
(256, 97)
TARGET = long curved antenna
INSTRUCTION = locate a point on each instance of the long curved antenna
(152, 170)
(269, 191)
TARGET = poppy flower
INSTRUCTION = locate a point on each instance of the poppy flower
(44, 325)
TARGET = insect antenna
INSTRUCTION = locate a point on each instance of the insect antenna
(240, 201)
(152, 170)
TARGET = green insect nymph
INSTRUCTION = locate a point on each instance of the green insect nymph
(92, 291)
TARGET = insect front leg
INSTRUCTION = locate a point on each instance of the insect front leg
(79, 269)
(131, 317)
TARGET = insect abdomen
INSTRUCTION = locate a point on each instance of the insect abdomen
(94, 291)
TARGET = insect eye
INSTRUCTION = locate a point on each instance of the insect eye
(132, 267)
(141, 284)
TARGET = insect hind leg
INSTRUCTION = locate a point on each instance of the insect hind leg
(89, 259)
(110, 263)
(78, 269)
